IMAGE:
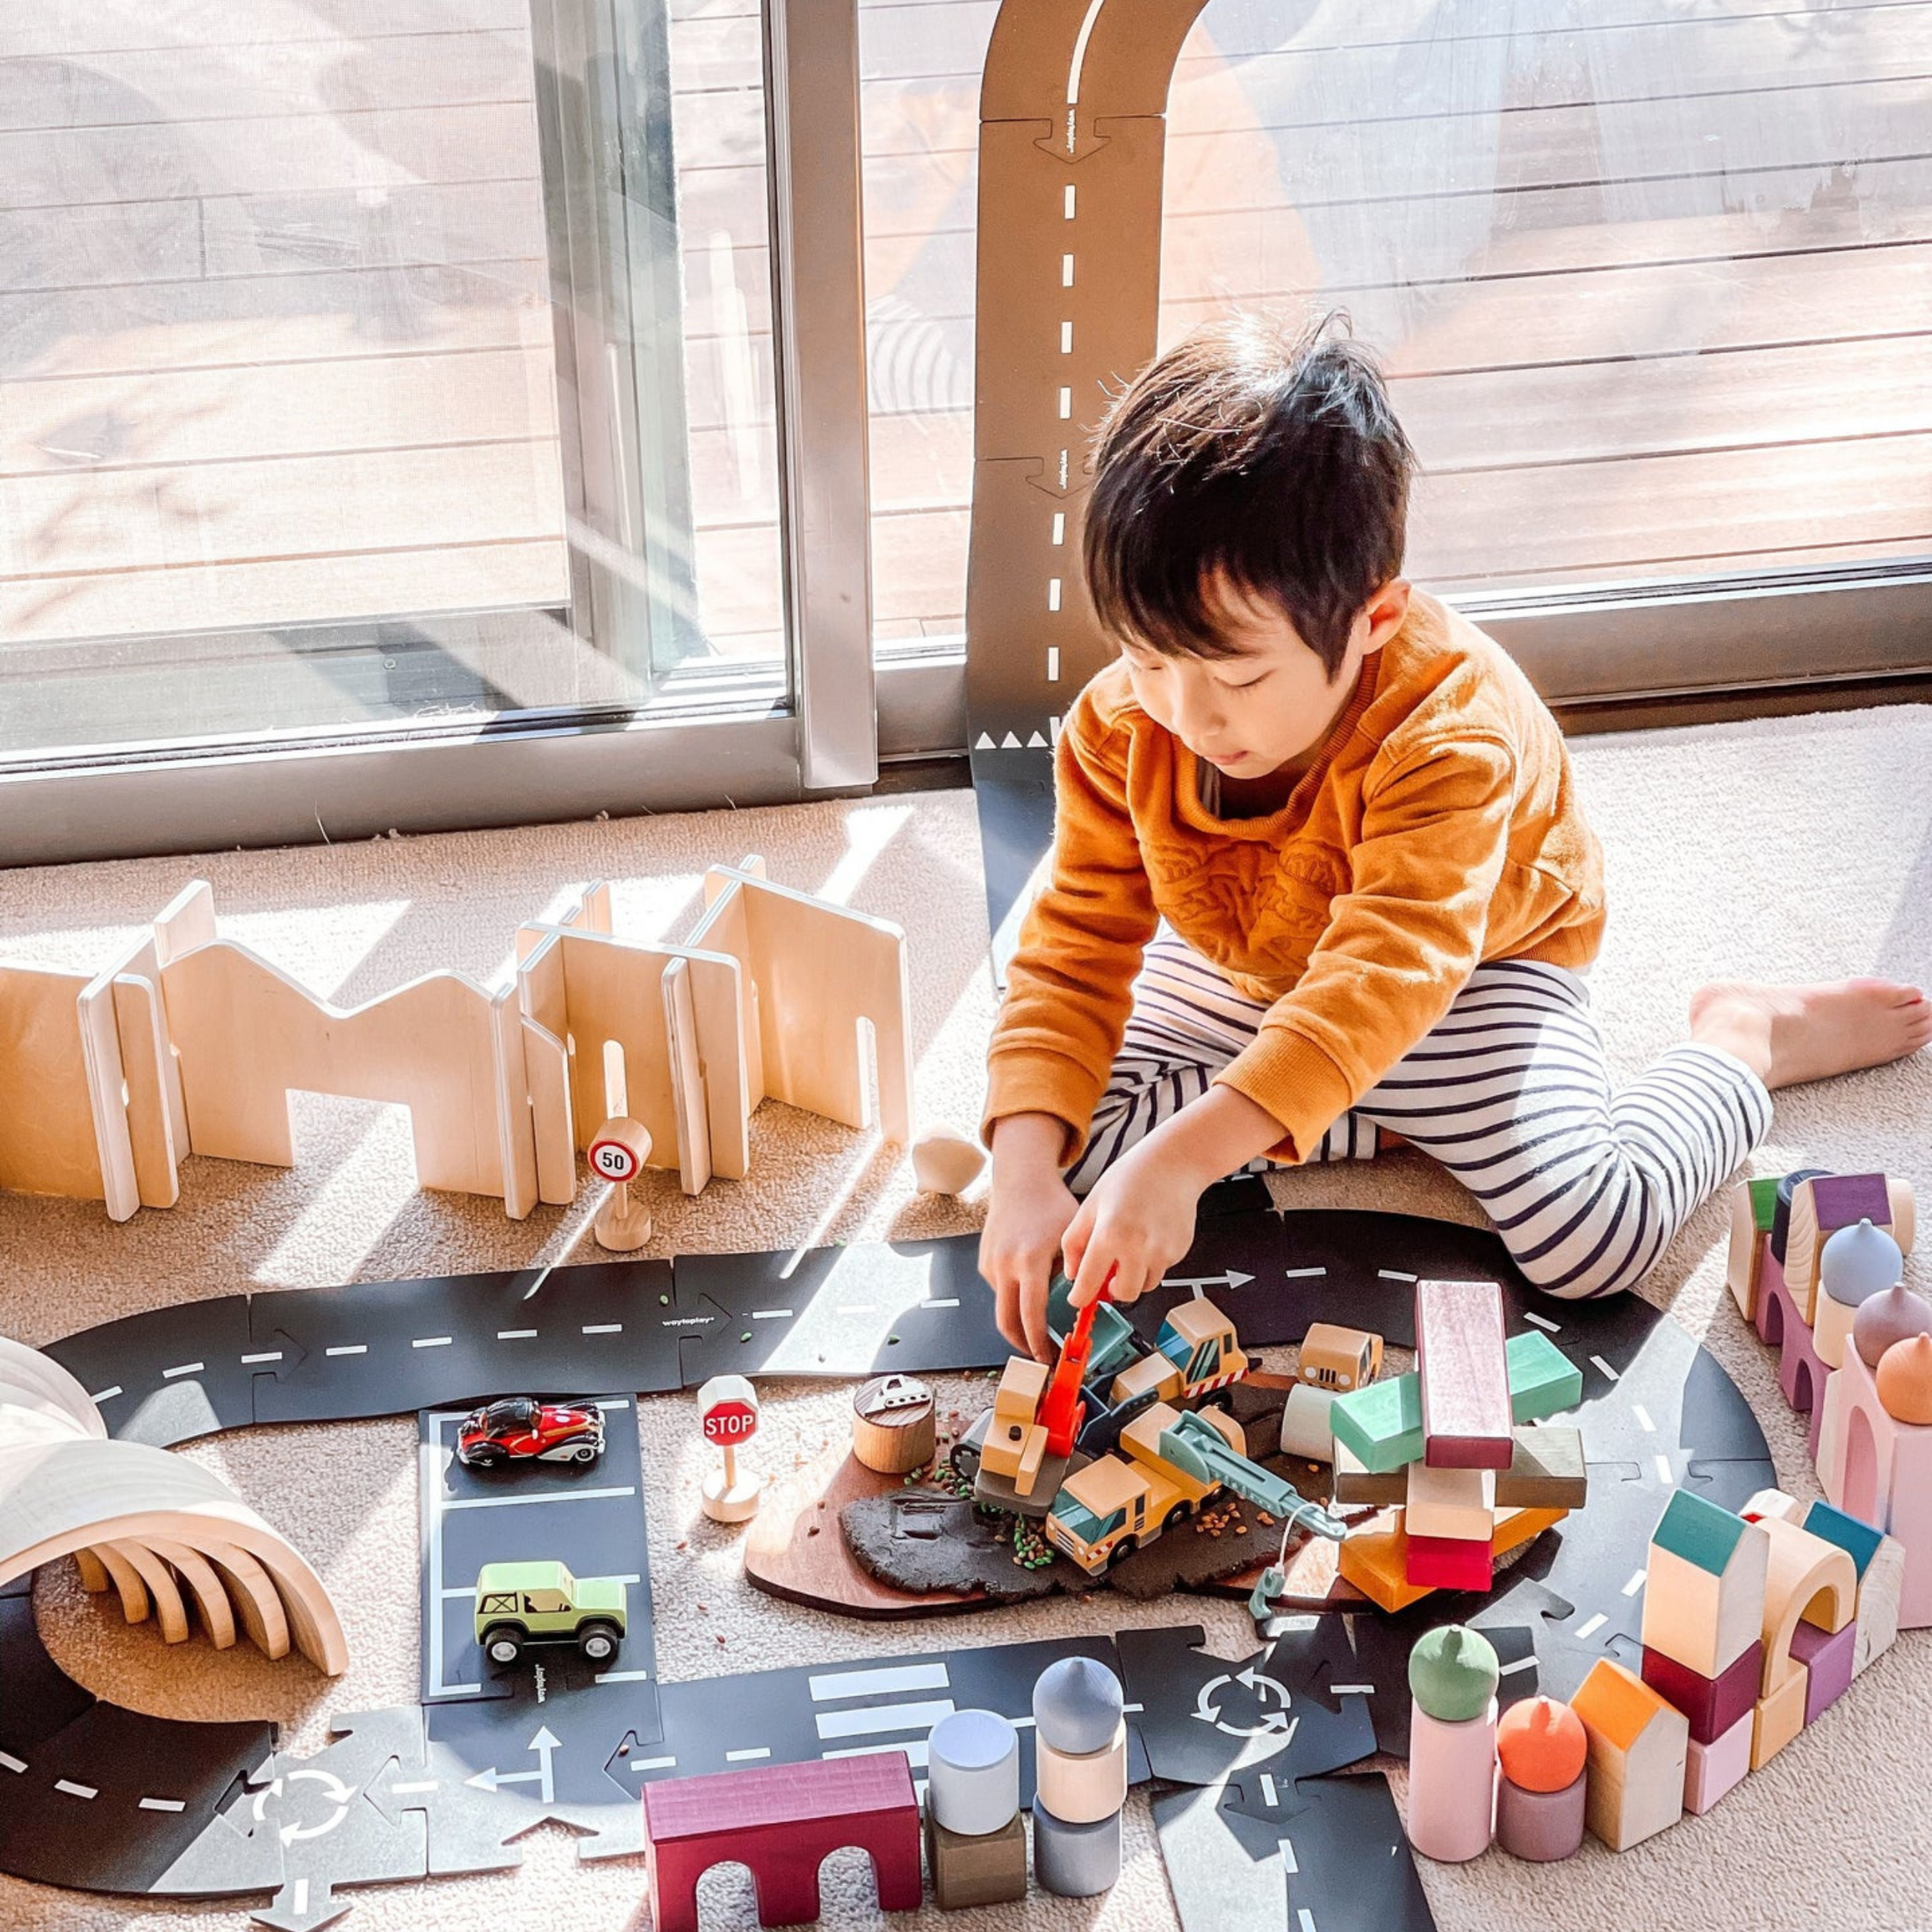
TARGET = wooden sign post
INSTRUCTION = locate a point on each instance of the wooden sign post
(727, 1408)
(617, 1155)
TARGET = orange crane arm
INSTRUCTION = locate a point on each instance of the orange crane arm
(1061, 1410)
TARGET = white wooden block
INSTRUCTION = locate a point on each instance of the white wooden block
(1459, 1504)
(1305, 1426)
(1879, 1590)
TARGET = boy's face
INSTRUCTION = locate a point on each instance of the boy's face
(1272, 702)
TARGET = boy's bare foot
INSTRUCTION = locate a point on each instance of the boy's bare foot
(1786, 1035)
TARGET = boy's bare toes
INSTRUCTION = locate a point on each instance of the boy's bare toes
(1788, 1034)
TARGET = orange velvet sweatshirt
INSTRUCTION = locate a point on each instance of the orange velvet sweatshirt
(1439, 827)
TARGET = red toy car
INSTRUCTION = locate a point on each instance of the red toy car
(520, 1429)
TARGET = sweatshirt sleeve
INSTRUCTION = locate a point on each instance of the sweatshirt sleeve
(1069, 985)
(1399, 943)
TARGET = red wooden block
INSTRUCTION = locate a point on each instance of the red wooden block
(1712, 1704)
(1466, 1417)
(781, 1820)
(1449, 1562)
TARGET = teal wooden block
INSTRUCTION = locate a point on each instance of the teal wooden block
(1381, 1424)
(1699, 1530)
(1858, 1540)
(1543, 1380)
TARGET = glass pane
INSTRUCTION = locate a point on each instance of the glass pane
(1652, 294)
(919, 115)
(283, 444)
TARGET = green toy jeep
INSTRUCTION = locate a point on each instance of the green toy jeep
(520, 1604)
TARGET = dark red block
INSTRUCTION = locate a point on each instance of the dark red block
(1465, 1374)
(1449, 1562)
(1712, 1704)
(781, 1820)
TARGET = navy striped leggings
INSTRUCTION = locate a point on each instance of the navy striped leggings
(1586, 1183)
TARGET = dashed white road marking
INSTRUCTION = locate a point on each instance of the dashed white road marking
(1348, 1690)
(1586, 1631)
(162, 1804)
(1664, 1475)
(1286, 1849)
(1304, 1920)
(183, 1368)
(624, 1677)
(1604, 1368)
(604, 1328)
(1643, 1418)
(1542, 1322)
(918, 1752)
(1297, 1274)
(106, 1395)
(8, 1762)
(747, 1755)
(348, 1348)
(949, 1301)
(1393, 1274)
(771, 1315)
(267, 1355)
(1635, 1584)
(1521, 1663)
(76, 1791)
(516, 1335)
(432, 1341)
(1267, 1788)
(653, 1763)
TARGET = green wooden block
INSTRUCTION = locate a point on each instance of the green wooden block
(1380, 1425)
(1764, 1203)
(1543, 1380)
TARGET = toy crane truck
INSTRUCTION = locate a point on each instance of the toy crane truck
(1016, 1454)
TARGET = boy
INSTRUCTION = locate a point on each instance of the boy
(1322, 881)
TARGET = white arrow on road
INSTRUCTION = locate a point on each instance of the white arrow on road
(1233, 1279)
(543, 1744)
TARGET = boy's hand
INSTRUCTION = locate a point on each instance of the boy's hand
(1137, 1222)
(1026, 1216)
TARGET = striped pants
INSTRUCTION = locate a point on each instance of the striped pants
(1585, 1183)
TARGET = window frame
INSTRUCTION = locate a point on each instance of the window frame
(721, 737)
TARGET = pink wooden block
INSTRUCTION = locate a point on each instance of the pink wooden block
(1827, 1656)
(1801, 1370)
(1879, 1470)
(1712, 1769)
(1452, 1785)
(1770, 1321)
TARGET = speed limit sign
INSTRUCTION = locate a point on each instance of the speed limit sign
(618, 1152)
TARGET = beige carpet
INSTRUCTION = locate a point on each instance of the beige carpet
(1790, 848)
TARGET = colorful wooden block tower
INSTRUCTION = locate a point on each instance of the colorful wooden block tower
(1079, 1759)
(1703, 1635)
(1452, 1443)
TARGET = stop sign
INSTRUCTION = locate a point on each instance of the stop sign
(728, 1410)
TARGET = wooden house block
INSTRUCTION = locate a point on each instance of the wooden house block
(1810, 1580)
(1543, 1380)
(1546, 1472)
(1753, 1207)
(1711, 1705)
(1380, 1426)
(1454, 1503)
(1705, 1585)
(1773, 1502)
(1466, 1416)
(1779, 1717)
(1859, 1541)
(1823, 1204)
(1712, 1769)
(1353, 1483)
(821, 976)
(1639, 1745)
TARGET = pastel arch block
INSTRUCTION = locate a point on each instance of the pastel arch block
(1753, 1207)
(1827, 1656)
(1807, 1581)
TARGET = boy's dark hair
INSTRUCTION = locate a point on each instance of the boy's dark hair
(1261, 449)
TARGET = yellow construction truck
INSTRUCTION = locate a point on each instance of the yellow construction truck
(1167, 1465)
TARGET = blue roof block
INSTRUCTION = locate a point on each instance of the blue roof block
(1858, 1540)
(1699, 1532)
